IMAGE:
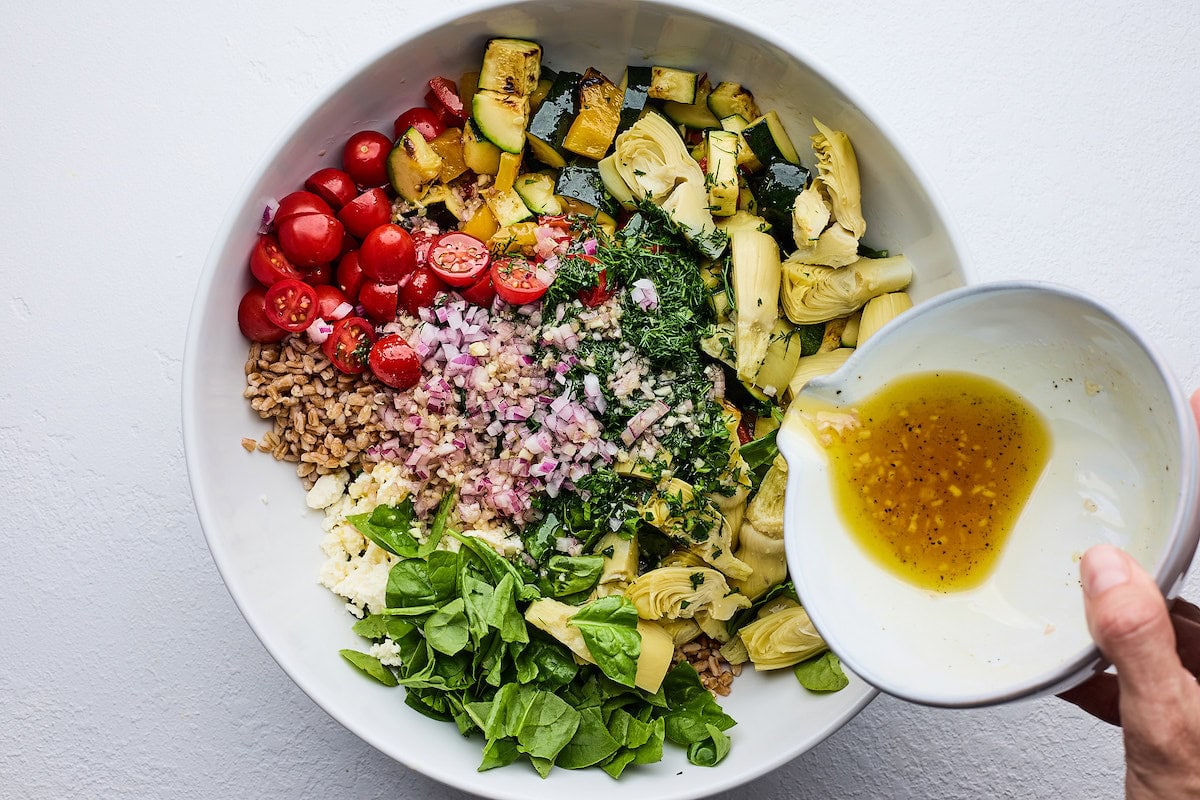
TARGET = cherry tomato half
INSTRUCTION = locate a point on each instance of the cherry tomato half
(427, 123)
(387, 254)
(349, 275)
(328, 299)
(297, 203)
(292, 305)
(745, 428)
(458, 258)
(379, 300)
(516, 281)
(481, 293)
(268, 264)
(420, 290)
(349, 346)
(365, 157)
(443, 98)
(333, 186)
(319, 275)
(252, 318)
(310, 239)
(394, 362)
(366, 212)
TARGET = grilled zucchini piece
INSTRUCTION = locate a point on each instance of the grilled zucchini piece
(511, 66)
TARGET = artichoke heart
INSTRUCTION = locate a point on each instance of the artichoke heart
(656, 166)
(835, 247)
(837, 169)
(679, 592)
(676, 511)
(761, 534)
(810, 215)
(756, 279)
(782, 639)
(815, 366)
(881, 310)
(812, 293)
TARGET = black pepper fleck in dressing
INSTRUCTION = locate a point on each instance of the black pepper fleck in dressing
(934, 475)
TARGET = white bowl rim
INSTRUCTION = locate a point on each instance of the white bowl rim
(1185, 525)
(191, 379)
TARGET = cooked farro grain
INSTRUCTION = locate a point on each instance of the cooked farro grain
(321, 418)
(704, 654)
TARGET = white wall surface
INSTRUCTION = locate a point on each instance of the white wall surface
(1062, 135)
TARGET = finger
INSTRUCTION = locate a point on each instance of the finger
(1187, 637)
(1128, 619)
(1099, 696)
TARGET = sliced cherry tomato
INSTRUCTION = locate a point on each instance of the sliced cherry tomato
(328, 299)
(481, 293)
(598, 294)
(310, 239)
(387, 254)
(366, 212)
(292, 305)
(333, 186)
(458, 258)
(365, 157)
(427, 123)
(394, 362)
(349, 346)
(420, 290)
(379, 300)
(298, 203)
(516, 281)
(252, 318)
(349, 275)
(320, 275)
(268, 264)
(443, 98)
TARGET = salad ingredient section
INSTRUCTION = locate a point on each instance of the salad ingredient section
(530, 352)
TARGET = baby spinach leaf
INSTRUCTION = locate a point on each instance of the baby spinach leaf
(442, 567)
(477, 599)
(617, 764)
(499, 753)
(651, 750)
(542, 765)
(709, 752)
(547, 665)
(408, 584)
(437, 528)
(547, 725)
(690, 708)
(822, 673)
(382, 626)
(571, 574)
(388, 527)
(609, 628)
(503, 614)
(591, 744)
(370, 665)
(433, 703)
(446, 629)
(540, 539)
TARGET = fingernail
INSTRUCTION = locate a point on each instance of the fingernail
(1103, 568)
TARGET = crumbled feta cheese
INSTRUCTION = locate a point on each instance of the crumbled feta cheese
(327, 490)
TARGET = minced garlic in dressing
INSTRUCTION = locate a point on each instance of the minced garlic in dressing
(933, 473)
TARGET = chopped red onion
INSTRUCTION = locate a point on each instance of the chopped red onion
(268, 215)
(318, 331)
(643, 420)
(644, 294)
(342, 311)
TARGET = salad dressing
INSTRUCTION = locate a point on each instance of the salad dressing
(931, 473)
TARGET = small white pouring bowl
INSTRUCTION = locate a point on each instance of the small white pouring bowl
(1123, 470)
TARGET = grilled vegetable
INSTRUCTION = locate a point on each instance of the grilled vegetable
(592, 132)
(673, 84)
(732, 98)
(449, 145)
(756, 281)
(636, 86)
(537, 190)
(511, 66)
(695, 114)
(775, 190)
(768, 139)
(501, 118)
(550, 123)
(581, 180)
(881, 310)
(779, 364)
(722, 172)
(837, 169)
(413, 165)
(479, 154)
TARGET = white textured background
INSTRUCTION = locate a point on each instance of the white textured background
(1063, 137)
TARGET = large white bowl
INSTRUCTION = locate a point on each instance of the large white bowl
(263, 539)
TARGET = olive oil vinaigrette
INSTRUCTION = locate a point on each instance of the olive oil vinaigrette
(932, 471)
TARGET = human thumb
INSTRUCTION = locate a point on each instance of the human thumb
(1129, 621)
